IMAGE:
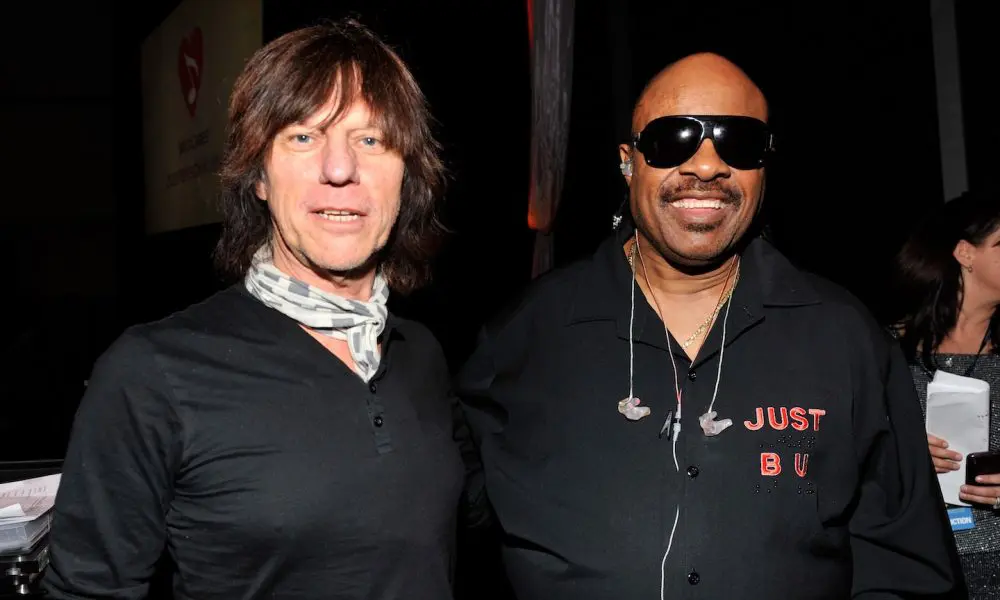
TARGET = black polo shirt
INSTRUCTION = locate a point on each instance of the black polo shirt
(228, 437)
(822, 488)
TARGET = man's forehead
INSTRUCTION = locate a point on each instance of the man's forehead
(337, 109)
(708, 93)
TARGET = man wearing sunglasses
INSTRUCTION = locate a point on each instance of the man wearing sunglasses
(687, 415)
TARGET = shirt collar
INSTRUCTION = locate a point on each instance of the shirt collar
(767, 280)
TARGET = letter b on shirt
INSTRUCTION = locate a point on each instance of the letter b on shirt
(770, 464)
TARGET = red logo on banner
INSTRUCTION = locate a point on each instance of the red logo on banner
(189, 62)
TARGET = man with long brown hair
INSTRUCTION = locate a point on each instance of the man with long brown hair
(288, 437)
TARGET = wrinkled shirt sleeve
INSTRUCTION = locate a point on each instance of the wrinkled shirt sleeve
(901, 540)
(108, 529)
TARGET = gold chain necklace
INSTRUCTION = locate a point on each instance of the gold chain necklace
(715, 313)
(718, 306)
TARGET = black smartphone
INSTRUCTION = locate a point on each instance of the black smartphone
(981, 463)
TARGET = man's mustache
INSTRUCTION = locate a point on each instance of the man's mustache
(727, 194)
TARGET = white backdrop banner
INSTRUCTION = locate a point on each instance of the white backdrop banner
(189, 64)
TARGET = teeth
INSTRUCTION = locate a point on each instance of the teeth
(339, 216)
(692, 203)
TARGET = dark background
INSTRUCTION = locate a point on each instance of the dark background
(851, 86)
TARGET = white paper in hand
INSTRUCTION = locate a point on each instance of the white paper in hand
(958, 411)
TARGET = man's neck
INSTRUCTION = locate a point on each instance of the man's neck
(356, 285)
(685, 301)
(669, 281)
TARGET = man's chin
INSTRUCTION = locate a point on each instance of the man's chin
(348, 268)
(336, 253)
(699, 255)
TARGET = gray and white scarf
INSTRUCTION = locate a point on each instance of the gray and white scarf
(360, 323)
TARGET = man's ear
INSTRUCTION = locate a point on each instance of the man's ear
(626, 166)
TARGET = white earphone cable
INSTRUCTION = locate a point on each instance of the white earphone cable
(670, 542)
(677, 419)
(631, 321)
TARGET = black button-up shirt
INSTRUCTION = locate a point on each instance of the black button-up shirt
(821, 488)
(228, 437)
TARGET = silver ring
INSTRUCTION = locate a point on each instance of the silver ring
(996, 503)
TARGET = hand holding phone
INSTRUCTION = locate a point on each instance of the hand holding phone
(986, 465)
(981, 463)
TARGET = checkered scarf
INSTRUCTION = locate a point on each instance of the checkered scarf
(360, 323)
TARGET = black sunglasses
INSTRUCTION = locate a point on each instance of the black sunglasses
(742, 142)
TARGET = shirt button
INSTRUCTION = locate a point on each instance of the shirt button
(694, 578)
(692, 375)
(693, 471)
(372, 387)
(378, 421)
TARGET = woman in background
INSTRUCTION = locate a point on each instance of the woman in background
(949, 271)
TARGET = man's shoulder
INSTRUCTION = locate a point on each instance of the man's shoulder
(828, 295)
(836, 297)
(550, 296)
(836, 305)
(222, 315)
(226, 311)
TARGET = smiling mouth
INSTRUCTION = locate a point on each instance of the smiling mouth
(712, 203)
(339, 216)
